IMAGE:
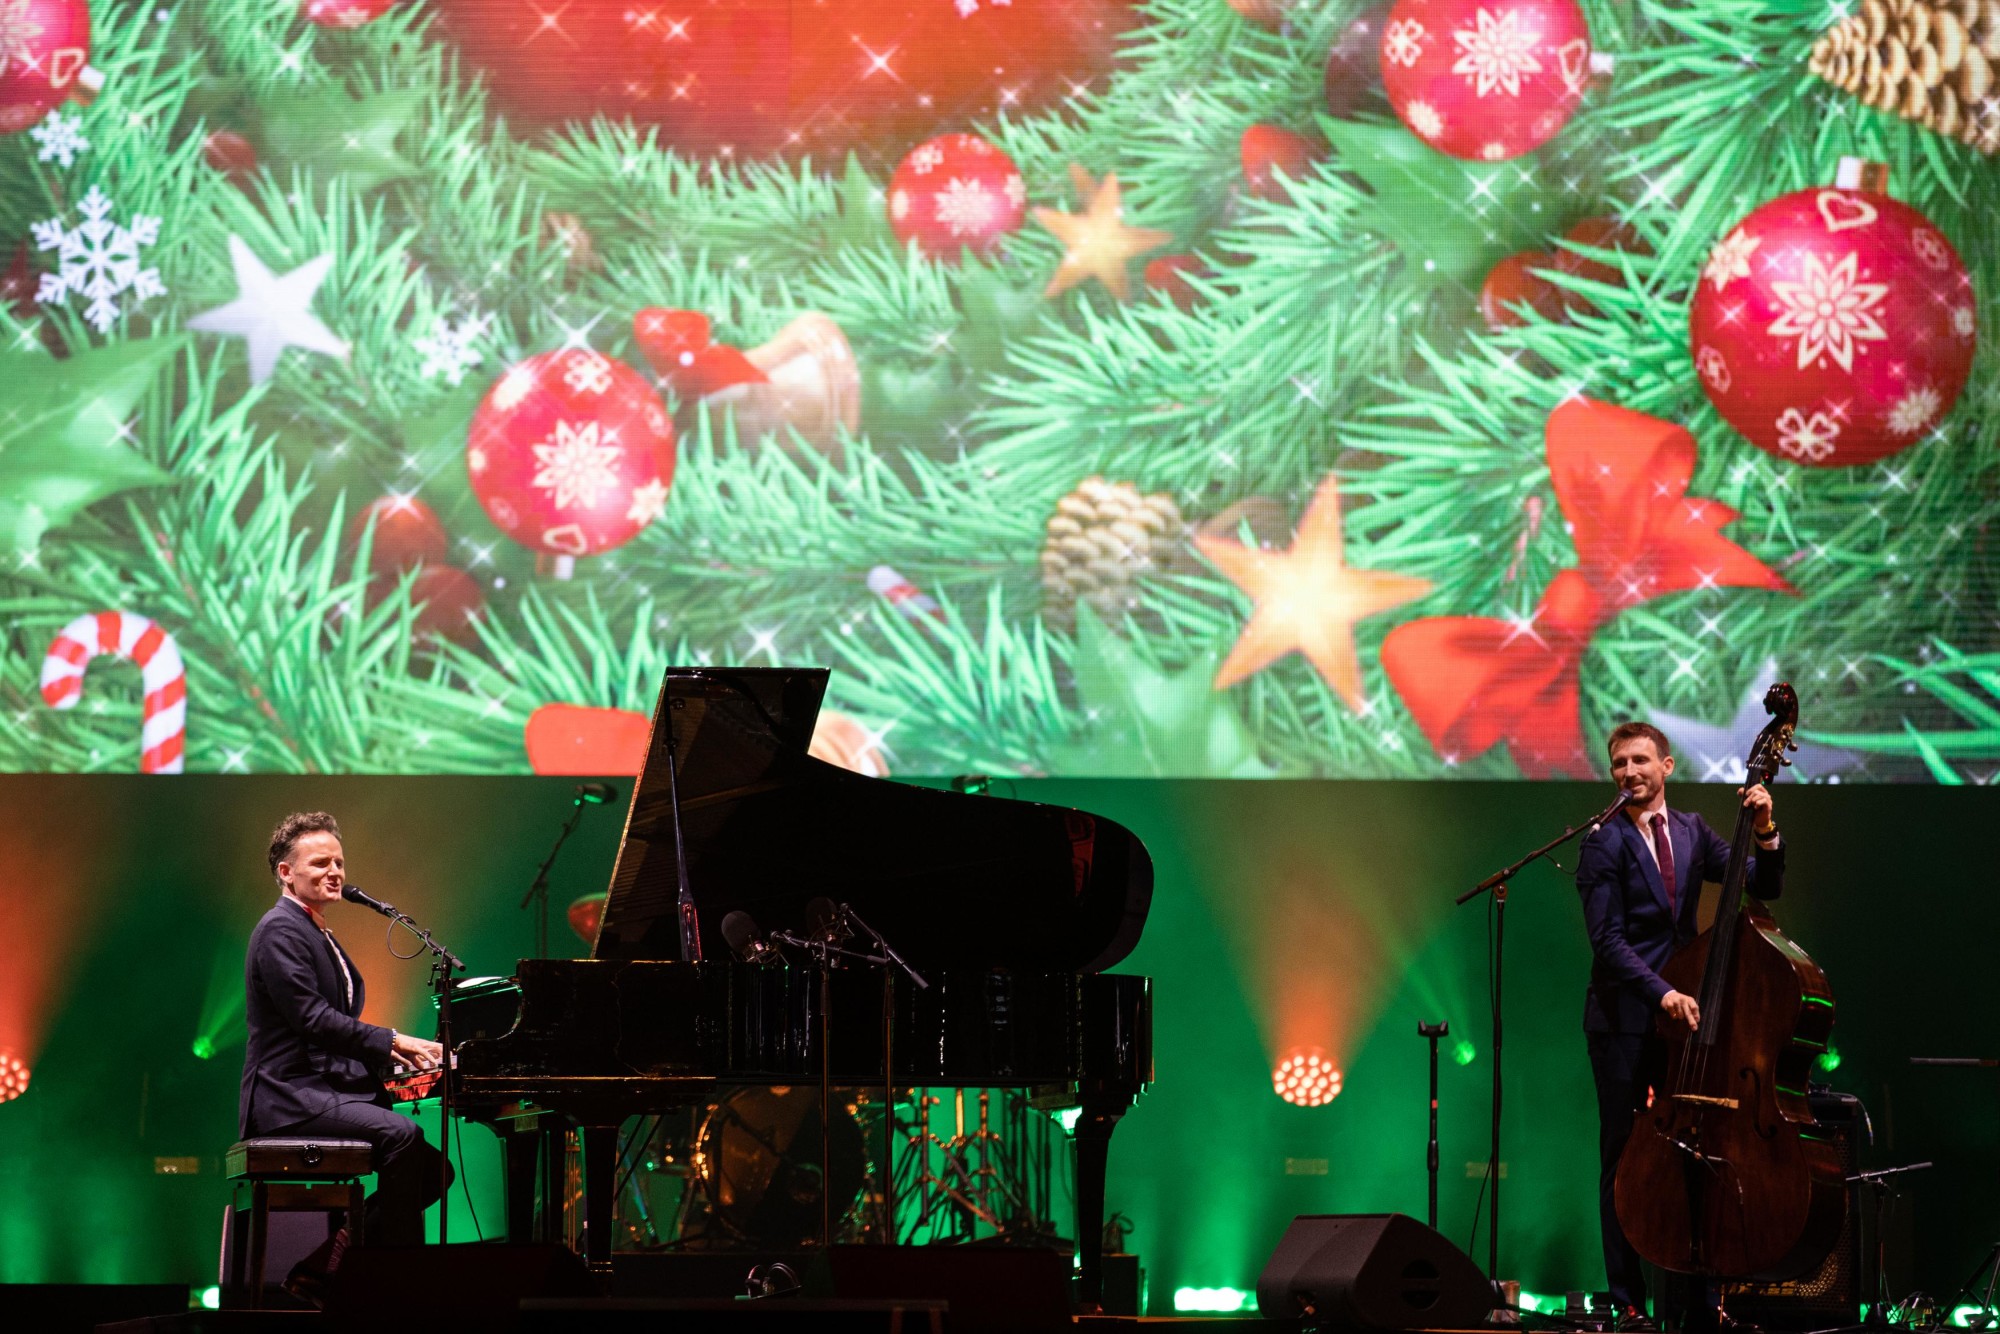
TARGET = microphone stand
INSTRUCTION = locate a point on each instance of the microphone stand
(1496, 885)
(684, 902)
(443, 964)
(539, 891)
(888, 1067)
(824, 951)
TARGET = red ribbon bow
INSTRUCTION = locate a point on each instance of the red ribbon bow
(1621, 479)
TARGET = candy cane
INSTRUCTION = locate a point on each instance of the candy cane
(163, 732)
(909, 600)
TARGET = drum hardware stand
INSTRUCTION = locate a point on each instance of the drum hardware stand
(1433, 1032)
(1990, 1266)
(1496, 885)
(587, 794)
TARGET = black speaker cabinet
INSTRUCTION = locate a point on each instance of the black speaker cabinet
(1830, 1294)
(1372, 1271)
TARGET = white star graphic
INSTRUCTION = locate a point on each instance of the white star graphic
(272, 311)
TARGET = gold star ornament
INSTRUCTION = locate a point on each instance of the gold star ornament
(1096, 242)
(1307, 599)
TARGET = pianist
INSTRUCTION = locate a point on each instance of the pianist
(312, 1067)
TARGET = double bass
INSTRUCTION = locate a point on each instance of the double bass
(1727, 1174)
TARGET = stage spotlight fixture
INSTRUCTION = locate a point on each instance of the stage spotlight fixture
(1829, 1060)
(204, 1047)
(1463, 1053)
(1306, 1077)
(13, 1076)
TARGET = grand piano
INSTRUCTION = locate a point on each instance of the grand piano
(1008, 911)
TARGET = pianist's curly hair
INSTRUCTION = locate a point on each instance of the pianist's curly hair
(295, 827)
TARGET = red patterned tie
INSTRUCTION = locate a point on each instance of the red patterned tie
(1663, 848)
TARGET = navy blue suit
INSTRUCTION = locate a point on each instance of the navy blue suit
(1632, 935)
(313, 1068)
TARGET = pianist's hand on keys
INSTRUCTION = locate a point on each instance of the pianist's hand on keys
(411, 1053)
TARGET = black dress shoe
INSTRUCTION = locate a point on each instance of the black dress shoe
(1631, 1320)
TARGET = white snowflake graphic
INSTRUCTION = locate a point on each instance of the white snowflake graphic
(1493, 152)
(1809, 438)
(586, 372)
(100, 259)
(966, 207)
(1963, 322)
(1915, 410)
(1730, 259)
(1497, 53)
(60, 138)
(649, 502)
(1713, 368)
(576, 465)
(1403, 42)
(18, 31)
(926, 159)
(1829, 310)
(1424, 119)
(1930, 248)
(899, 204)
(1016, 191)
(448, 349)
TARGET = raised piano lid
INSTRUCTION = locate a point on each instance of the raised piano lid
(948, 879)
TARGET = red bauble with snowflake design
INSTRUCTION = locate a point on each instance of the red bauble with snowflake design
(344, 13)
(571, 453)
(802, 76)
(44, 55)
(1485, 80)
(956, 192)
(1833, 327)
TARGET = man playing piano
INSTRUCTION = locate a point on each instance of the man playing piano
(312, 1067)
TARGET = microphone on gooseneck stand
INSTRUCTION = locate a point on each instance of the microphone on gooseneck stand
(595, 794)
(1609, 811)
(355, 894)
(826, 921)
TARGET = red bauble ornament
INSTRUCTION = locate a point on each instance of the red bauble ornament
(231, 154)
(1354, 63)
(1515, 281)
(956, 192)
(44, 52)
(579, 740)
(448, 601)
(758, 76)
(1833, 326)
(1485, 79)
(571, 453)
(1266, 150)
(344, 13)
(408, 533)
(1168, 275)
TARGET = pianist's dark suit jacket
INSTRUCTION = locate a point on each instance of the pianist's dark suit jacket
(1632, 935)
(308, 1051)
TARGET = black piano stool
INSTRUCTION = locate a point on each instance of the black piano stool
(289, 1176)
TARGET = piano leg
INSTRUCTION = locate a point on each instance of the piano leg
(1093, 1155)
(519, 1149)
(600, 1168)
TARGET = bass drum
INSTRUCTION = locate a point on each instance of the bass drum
(758, 1164)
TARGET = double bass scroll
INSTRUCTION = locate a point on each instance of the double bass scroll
(1727, 1174)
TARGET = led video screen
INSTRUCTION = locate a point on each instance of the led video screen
(1194, 388)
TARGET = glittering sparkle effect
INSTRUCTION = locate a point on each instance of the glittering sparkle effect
(1306, 1078)
(576, 465)
(1496, 53)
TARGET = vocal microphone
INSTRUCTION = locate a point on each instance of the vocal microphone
(746, 942)
(355, 894)
(1609, 811)
(596, 794)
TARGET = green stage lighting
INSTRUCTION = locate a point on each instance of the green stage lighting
(1464, 1052)
(1829, 1060)
(204, 1047)
(1214, 1299)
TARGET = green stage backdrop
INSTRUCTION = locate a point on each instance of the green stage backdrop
(1191, 388)
(1287, 916)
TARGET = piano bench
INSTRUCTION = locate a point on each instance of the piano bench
(288, 1175)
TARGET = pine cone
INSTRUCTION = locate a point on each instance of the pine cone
(1930, 61)
(1103, 538)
